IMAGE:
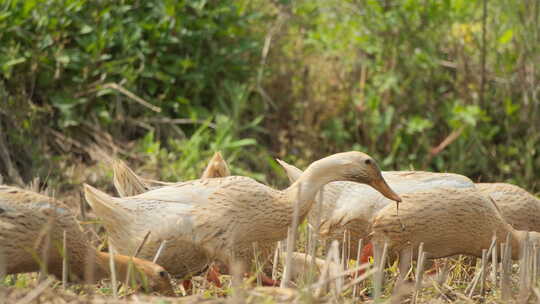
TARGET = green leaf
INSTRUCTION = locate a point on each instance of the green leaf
(506, 37)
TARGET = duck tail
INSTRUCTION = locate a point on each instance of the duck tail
(217, 167)
(126, 182)
(292, 172)
(106, 208)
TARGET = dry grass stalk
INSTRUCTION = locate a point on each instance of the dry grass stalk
(45, 235)
(525, 269)
(331, 257)
(159, 251)
(437, 287)
(358, 263)
(494, 264)
(82, 209)
(113, 272)
(135, 254)
(506, 292)
(418, 262)
(258, 266)
(276, 260)
(237, 272)
(361, 278)
(342, 274)
(348, 249)
(472, 285)
(379, 275)
(64, 261)
(535, 264)
(36, 292)
(480, 275)
(344, 247)
(503, 248)
(483, 271)
(315, 236)
(443, 273)
(401, 293)
(419, 273)
(291, 242)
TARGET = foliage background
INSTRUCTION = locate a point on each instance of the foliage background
(446, 85)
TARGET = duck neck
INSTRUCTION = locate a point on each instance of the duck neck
(306, 187)
(103, 269)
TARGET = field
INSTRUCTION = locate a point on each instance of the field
(458, 279)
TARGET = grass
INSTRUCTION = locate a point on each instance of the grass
(452, 283)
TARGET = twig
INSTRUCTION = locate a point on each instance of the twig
(446, 142)
(134, 97)
(179, 121)
(160, 249)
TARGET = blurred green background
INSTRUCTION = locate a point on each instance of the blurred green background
(440, 85)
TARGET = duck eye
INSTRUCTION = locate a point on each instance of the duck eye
(163, 274)
(367, 161)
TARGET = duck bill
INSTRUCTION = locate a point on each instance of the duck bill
(381, 186)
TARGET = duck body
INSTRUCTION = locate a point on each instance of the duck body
(29, 219)
(350, 207)
(221, 217)
(198, 214)
(520, 208)
(448, 221)
(25, 220)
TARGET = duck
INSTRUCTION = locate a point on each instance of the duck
(25, 219)
(448, 221)
(128, 183)
(351, 207)
(519, 208)
(222, 217)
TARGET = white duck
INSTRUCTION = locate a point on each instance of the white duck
(222, 217)
(352, 206)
